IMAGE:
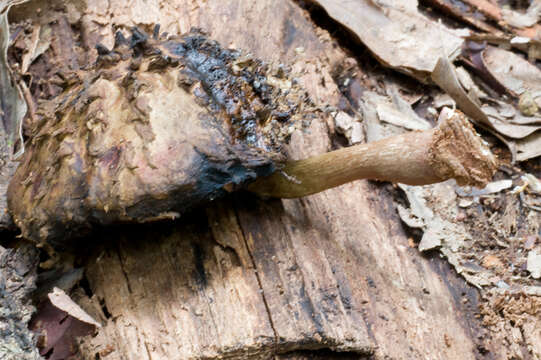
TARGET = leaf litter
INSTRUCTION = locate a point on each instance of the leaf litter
(486, 67)
(490, 236)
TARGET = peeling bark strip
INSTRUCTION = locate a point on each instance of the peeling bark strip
(156, 127)
(12, 111)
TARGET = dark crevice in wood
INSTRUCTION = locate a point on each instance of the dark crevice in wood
(104, 308)
(63, 319)
(466, 300)
(399, 197)
(48, 354)
(322, 354)
(338, 32)
(259, 282)
(9, 239)
(117, 249)
(85, 285)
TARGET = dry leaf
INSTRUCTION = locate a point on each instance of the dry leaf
(62, 301)
(521, 20)
(398, 35)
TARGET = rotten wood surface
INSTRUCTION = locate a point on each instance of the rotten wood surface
(247, 278)
(251, 278)
(283, 279)
(18, 274)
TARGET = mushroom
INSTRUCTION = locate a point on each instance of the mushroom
(160, 125)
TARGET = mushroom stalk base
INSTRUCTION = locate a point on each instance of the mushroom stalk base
(451, 150)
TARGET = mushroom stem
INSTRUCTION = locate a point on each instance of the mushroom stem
(451, 150)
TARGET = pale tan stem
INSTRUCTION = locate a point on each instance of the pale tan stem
(451, 150)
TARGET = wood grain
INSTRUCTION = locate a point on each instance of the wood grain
(247, 278)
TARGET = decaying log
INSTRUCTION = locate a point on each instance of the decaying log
(247, 278)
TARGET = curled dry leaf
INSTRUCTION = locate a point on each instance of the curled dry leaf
(512, 71)
(522, 20)
(397, 33)
(522, 137)
(522, 79)
(62, 301)
(396, 111)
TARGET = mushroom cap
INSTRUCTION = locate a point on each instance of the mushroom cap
(155, 127)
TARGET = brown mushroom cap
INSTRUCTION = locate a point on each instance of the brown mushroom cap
(156, 127)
